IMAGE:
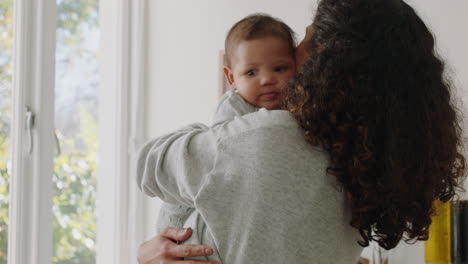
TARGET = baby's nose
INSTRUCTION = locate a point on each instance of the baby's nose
(268, 78)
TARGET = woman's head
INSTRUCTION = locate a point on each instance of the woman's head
(374, 95)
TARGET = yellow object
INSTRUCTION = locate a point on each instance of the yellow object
(437, 248)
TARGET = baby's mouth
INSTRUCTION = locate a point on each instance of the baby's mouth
(270, 96)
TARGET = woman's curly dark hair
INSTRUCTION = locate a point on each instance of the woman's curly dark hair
(373, 94)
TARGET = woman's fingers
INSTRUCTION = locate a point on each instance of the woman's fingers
(177, 234)
(189, 250)
(163, 249)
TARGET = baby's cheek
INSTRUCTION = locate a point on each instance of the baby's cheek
(284, 84)
(249, 98)
(291, 75)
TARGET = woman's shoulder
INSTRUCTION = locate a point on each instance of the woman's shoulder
(264, 120)
(263, 125)
(265, 117)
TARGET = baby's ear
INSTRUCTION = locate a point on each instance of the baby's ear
(229, 77)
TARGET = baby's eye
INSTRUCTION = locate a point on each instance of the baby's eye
(251, 72)
(281, 69)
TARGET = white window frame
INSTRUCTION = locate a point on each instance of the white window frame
(121, 206)
(30, 212)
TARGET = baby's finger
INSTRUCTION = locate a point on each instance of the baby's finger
(190, 250)
(177, 234)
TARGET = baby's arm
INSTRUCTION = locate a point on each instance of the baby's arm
(230, 106)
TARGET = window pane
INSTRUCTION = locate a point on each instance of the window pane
(6, 52)
(76, 128)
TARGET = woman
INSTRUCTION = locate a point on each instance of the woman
(371, 95)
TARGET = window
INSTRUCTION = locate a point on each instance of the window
(61, 205)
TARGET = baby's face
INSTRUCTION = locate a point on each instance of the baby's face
(261, 70)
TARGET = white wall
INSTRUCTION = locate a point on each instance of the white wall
(449, 23)
(186, 36)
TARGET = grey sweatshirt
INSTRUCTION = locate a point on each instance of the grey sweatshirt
(175, 215)
(260, 191)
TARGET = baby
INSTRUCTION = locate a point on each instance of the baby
(260, 59)
(259, 64)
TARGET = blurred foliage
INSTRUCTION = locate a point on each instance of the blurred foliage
(73, 18)
(6, 46)
(75, 197)
(74, 176)
(4, 178)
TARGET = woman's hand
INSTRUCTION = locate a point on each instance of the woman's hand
(164, 249)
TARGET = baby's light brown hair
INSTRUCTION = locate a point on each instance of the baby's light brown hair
(254, 27)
